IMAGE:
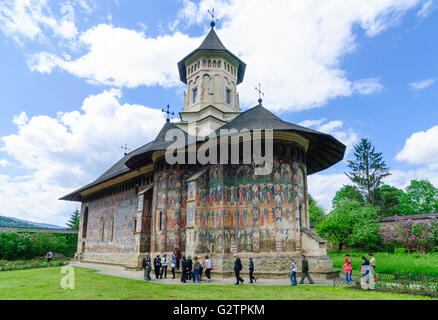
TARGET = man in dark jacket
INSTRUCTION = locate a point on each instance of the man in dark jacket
(184, 269)
(147, 267)
(237, 269)
(178, 257)
(305, 270)
(157, 266)
(189, 268)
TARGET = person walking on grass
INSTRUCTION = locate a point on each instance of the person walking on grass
(184, 269)
(251, 271)
(157, 266)
(293, 272)
(196, 269)
(49, 256)
(237, 269)
(147, 267)
(208, 268)
(305, 270)
(164, 263)
(348, 268)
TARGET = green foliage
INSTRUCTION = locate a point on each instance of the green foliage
(316, 213)
(421, 197)
(351, 224)
(26, 245)
(73, 223)
(390, 262)
(388, 200)
(347, 193)
(367, 169)
(12, 223)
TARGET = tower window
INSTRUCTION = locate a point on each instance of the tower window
(161, 220)
(195, 95)
(228, 96)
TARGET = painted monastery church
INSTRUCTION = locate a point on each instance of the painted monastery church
(144, 204)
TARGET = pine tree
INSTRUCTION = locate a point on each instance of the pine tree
(73, 223)
(367, 170)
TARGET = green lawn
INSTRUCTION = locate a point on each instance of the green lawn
(390, 262)
(35, 284)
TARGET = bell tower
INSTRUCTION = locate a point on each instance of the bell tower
(212, 74)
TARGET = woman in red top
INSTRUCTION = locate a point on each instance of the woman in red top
(348, 268)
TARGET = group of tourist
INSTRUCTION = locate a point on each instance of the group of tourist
(367, 267)
(192, 269)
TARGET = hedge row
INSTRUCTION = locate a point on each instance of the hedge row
(26, 245)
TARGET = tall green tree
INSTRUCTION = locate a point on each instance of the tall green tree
(316, 213)
(421, 196)
(388, 200)
(351, 224)
(347, 193)
(73, 223)
(367, 170)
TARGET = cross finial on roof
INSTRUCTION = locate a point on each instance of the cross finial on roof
(125, 149)
(211, 13)
(259, 90)
(168, 113)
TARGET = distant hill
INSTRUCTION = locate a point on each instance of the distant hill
(19, 223)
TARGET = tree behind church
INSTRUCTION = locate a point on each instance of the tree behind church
(73, 223)
(367, 170)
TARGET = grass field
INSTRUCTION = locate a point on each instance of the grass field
(390, 262)
(44, 284)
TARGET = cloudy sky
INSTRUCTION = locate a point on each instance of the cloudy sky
(80, 78)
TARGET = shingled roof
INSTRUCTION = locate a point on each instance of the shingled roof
(324, 150)
(211, 43)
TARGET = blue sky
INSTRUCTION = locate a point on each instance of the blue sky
(80, 78)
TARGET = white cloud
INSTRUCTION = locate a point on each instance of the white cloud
(367, 86)
(323, 187)
(335, 128)
(426, 9)
(122, 57)
(4, 163)
(27, 19)
(70, 150)
(296, 52)
(422, 84)
(421, 148)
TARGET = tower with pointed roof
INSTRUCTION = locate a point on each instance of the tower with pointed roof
(211, 73)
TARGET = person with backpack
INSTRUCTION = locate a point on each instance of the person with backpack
(196, 269)
(293, 273)
(208, 268)
(146, 264)
(164, 262)
(348, 268)
(237, 269)
(157, 266)
(251, 271)
(305, 270)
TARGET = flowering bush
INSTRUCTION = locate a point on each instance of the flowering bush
(419, 235)
(6, 265)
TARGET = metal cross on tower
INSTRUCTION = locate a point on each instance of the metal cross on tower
(211, 13)
(259, 90)
(168, 113)
(125, 149)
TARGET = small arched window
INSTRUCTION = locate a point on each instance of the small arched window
(219, 64)
(214, 63)
(161, 220)
(209, 63)
(85, 224)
